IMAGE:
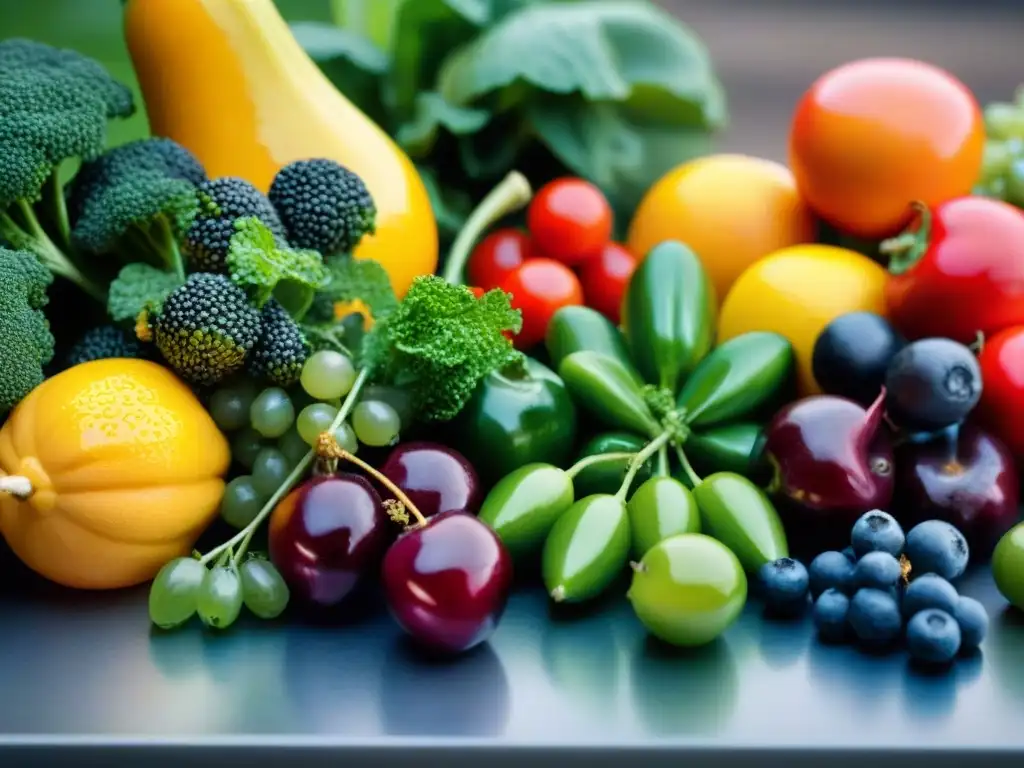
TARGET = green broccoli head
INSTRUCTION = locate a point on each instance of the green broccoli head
(221, 202)
(104, 342)
(28, 344)
(162, 156)
(282, 348)
(54, 106)
(206, 328)
(323, 205)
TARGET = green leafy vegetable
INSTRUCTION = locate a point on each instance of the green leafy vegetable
(265, 269)
(439, 343)
(362, 280)
(139, 287)
(615, 91)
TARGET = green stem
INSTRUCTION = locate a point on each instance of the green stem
(167, 247)
(663, 468)
(692, 476)
(34, 238)
(589, 461)
(511, 194)
(906, 249)
(53, 196)
(639, 460)
(244, 536)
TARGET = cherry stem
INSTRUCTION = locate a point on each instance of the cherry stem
(906, 249)
(663, 469)
(244, 536)
(381, 478)
(639, 460)
(16, 485)
(589, 461)
(978, 345)
(691, 475)
(512, 193)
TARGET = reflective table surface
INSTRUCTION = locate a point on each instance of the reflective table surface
(88, 670)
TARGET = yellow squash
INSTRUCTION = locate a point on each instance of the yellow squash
(228, 80)
(110, 469)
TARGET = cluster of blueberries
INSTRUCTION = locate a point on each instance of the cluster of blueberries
(886, 586)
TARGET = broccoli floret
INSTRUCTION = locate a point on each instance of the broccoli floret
(28, 344)
(54, 107)
(323, 205)
(221, 202)
(103, 342)
(439, 343)
(130, 201)
(206, 328)
(282, 348)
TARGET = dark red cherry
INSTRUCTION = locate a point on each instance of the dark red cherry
(447, 582)
(833, 462)
(434, 477)
(325, 535)
(968, 480)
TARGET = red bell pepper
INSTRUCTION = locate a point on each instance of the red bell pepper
(958, 271)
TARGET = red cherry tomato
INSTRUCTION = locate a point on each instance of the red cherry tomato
(497, 255)
(539, 288)
(1001, 408)
(570, 220)
(476, 291)
(604, 279)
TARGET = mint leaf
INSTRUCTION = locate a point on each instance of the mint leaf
(139, 287)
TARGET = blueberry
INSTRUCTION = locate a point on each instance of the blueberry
(850, 554)
(929, 591)
(973, 620)
(877, 531)
(933, 636)
(875, 616)
(935, 546)
(784, 582)
(878, 570)
(830, 612)
(830, 570)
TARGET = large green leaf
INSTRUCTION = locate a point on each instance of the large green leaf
(607, 144)
(605, 51)
(417, 137)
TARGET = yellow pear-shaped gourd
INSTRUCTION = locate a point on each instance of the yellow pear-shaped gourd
(109, 469)
(229, 81)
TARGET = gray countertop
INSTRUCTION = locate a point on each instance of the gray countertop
(87, 669)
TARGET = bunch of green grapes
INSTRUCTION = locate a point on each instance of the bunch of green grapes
(186, 586)
(1002, 171)
(273, 429)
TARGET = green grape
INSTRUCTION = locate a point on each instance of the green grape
(376, 423)
(245, 445)
(313, 420)
(263, 589)
(1004, 121)
(398, 399)
(346, 437)
(1014, 184)
(229, 405)
(174, 593)
(272, 412)
(997, 188)
(292, 446)
(996, 160)
(220, 598)
(328, 375)
(269, 471)
(241, 502)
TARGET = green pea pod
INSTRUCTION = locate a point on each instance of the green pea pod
(669, 314)
(587, 548)
(740, 515)
(728, 448)
(607, 476)
(575, 328)
(660, 508)
(516, 418)
(737, 378)
(610, 389)
(523, 505)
